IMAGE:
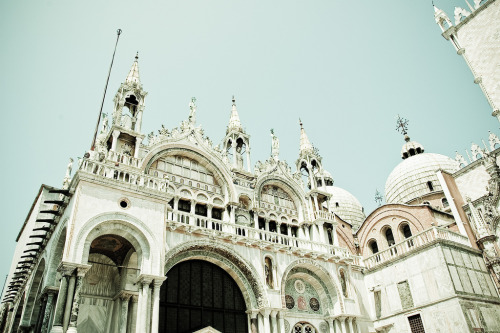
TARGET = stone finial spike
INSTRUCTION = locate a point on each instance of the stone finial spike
(133, 75)
(305, 144)
(234, 119)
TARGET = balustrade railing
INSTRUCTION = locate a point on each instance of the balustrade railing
(125, 176)
(123, 158)
(412, 243)
(322, 215)
(243, 233)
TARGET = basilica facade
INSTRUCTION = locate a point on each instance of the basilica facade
(169, 232)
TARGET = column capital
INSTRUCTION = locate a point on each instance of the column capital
(265, 312)
(148, 279)
(253, 313)
(50, 290)
(210, 206)
(125, 295)
(82, 269)
(116, 132)
(67, 268)
(158, 281)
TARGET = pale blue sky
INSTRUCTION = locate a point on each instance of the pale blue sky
(347, 68)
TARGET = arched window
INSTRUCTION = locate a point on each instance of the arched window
(406, 231)
(373, 246)
(429, 185)
(268, 270)
(445, 203)
(343, 282)
(390, 237)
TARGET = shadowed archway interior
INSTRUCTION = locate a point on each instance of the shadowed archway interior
(198, 294)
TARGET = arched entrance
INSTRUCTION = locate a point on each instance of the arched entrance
(198, 294)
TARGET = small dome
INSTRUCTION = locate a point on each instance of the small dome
(416, 177)
(345, 205)
(411, 148)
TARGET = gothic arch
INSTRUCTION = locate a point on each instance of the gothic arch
(330, 284)
(212, 162)
(126, 226)
(287, 185)
(241, 271)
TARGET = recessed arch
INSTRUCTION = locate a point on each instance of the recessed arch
(327, 281)
(132, 229)
(244, 274)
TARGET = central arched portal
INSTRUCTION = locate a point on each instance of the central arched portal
(198, 294)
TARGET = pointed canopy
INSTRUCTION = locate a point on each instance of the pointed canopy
(133, 75)
(234, 120)
(305, 144)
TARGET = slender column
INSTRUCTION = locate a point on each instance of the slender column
(233, 214)
(175, 210)
(322, 233)
(255, 219)
(192, 218)
(274, 323)
(48, 310)
(76, 298)
(138, 122)
(349, 325)
(281, 321)
(133, 314)
(233, 149)
(143, 307)
(149, 312)
(260, 319)
(343, 325)
(278, 231)
(209, 216)
(254, 322)
(156, 304)
(335, 237)
(338, 328)
(124, 299)
(316, 205)
(267, 325)
(358, 326)
(116, 134)
(330, 326)
(69, 302)
(306, 229)
(61, 300)
(41, 313)
(137, 146)
(249, 164)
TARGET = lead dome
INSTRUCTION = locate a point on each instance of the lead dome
(346, 206)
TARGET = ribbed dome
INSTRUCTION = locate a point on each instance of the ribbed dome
(345, 205)
(409, 180)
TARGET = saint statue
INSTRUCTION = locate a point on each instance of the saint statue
(192, 110)
(275, 148)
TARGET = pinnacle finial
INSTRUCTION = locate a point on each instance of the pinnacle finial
(300, 123)
(234, 100)
(137, 56)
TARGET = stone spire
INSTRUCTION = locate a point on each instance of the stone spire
(133, 75)
(305, 144)
(234, 120)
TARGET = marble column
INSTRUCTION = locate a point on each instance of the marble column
(80, 273)
(125, 299)
(260, 319)
(265, 314)
(155, 318)
(143, 306)
(209, 216)
(358, 326)
(132, 318)
(69, 302)
(338, 328)
(331, 326)
(41, 313)
(249, 165)
(254, 324)
(48, 311)
(274, 322)
(349, 326)
(137, 146)
(281, 321)
(116, 134)
(192, 217)
(343, 324)
(57, 327)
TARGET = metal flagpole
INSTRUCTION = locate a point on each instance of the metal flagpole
(118, 33)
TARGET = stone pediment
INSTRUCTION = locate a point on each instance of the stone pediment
(208, 329)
